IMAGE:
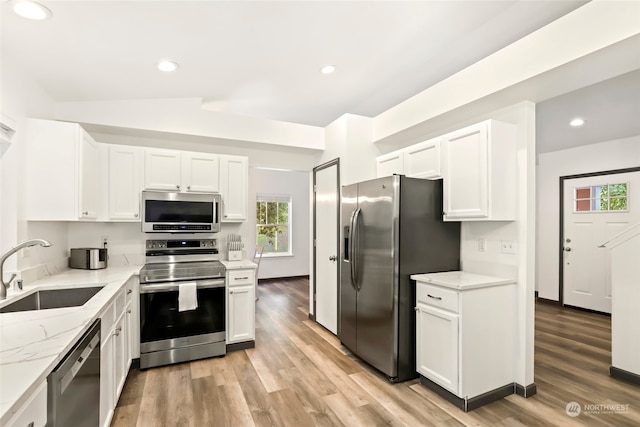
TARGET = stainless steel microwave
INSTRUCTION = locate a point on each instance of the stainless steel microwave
(170, 212)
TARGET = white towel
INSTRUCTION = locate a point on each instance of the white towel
(187, 296)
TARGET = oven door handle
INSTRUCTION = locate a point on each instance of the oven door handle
(174, 286)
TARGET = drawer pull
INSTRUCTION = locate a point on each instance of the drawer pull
(241, 278)
(431, 296)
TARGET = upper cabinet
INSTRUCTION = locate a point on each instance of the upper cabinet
(234, 187)
(389, 164)
(162, 170)
(479, 169)
(200, 172)
(185, 171)
(64, 173)
(125, 182)
(420, 160)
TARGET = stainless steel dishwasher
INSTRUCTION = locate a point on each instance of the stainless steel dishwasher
(73, 389)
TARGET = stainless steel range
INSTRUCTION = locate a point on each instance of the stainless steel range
(169, 333)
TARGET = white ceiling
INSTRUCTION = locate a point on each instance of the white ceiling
(262, 58)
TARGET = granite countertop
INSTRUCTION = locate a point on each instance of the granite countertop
(32, 343)
(461, 280)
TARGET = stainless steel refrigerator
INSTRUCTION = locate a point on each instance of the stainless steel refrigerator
(392, 228)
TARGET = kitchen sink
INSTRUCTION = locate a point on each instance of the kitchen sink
(52, 298)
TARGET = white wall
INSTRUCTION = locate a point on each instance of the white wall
(604, 156)
(21, 98)
(186, 116)
(296, 185)
(350, 139)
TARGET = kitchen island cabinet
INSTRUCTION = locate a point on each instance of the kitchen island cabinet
(466, 336)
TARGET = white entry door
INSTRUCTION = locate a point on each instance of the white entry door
(327, 209)
(596, 208)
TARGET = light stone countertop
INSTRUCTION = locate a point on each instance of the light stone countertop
(461, 280)
(32, 343)
(238, 265)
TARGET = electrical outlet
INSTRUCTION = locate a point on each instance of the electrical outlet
(482, 244)
(507, 247)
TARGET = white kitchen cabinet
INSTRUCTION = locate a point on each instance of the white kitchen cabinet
(115, 354)
(466, 334)
(389, 164)
(441, 327)
(65, 172)
(241, 305)
(200, 172)
(125, 182)
(234, 187)
(162, 169)
(422, 160)
(34, 411)
(171, 170)
(479, 170)
(133, 295)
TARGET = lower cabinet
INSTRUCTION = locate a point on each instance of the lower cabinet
(115, 352)
(241, 306)
(441, 327)
(34, 412)
(465, 341)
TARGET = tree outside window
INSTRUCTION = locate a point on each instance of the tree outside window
(273, 228)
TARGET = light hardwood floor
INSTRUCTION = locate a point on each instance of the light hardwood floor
(299, 375)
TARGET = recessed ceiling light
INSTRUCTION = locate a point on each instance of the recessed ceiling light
(328, 69)
(167, 66)
(577, 122)
(31, 10)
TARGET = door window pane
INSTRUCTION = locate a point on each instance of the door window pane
(602, 198)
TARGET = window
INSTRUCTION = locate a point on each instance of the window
(273, 223)
(602, 198)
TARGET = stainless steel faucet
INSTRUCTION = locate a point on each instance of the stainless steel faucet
(5, 285)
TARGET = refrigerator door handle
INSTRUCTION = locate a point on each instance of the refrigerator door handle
(355, 248)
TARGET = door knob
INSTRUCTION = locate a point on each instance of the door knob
(567, 249)
(333, 258)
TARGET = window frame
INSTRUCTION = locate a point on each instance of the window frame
(278, 198)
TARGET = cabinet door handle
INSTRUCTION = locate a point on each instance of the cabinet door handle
(431, 296)
(178, 186)
(230, 292)
(135, 215)
(85, 213)
(416, 309)
(129, 291)
(129, 311)
(188, 187)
